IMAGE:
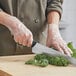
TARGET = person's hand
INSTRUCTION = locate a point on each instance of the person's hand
(55, 40)
(21, 33)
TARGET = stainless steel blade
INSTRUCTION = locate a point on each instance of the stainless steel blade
(40, 49)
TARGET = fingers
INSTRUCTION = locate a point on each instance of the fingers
(66, 50)
(70, 50)
(62, 47)
(25, 40)
(58, 48)
(16, 38)
(30, 40)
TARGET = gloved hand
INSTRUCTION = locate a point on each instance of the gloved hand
(21, 33)
(55, 40)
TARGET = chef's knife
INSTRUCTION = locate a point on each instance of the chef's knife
(38, 48)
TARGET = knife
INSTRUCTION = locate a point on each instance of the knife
(38, 48)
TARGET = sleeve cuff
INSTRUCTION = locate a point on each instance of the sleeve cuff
(54, 5)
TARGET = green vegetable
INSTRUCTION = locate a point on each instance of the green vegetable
(41, 62)
(58, 61)
(44, 60)
(70, 45)
(31, 61)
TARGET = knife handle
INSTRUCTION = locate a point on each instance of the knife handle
(33, 43)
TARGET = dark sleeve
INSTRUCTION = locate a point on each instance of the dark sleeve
(1, 8)
(54, 5)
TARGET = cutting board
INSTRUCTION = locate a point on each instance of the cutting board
(15, 66)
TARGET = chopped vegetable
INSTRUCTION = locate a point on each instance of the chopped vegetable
(41, 62)
(70, 45)
(44, 60)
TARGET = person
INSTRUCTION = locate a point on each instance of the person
(28, 20)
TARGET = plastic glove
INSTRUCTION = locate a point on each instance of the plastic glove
(21, 33)
(55, 40)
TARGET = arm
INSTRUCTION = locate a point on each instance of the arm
(21, 33)
(54, 38)
(6, 20)
(53, 18)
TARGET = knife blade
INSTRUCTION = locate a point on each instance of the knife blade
(38, 48)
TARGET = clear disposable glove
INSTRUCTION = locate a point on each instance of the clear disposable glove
(21, 33)
(55, 40)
